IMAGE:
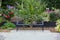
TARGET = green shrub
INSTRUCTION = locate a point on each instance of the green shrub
(52, 3)
(45, 16)
(58, 12)
(58, 22)
(58, 25)
(7, 2)
(7, 14)
(8, 25)
(1, 19)
(30, 10)
(53, 16)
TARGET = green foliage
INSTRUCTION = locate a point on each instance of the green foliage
(58, 12)
(52, 3)
(0, 2)
(30, 10)
(7, 2)
(53, 17)
(7, 14)
(1, 19)
(8, 25)
(45, 16)
(58, 22)
(58, 25)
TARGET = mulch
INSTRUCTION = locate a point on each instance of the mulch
(36, 28)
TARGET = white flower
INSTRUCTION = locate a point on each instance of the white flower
(47, 8)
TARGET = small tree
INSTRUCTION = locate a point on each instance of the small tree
(7, 14)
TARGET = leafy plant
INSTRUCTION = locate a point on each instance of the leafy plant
(7, 2)
(57, 12)
(30, 10)
(53, 16)
(8, 25)
(0, 2)
(52, 3)
(58, 25)
(7, 14)
(45, 16)
(1, 19)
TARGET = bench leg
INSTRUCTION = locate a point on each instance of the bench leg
(42, 28)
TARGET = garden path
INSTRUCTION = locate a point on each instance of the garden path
(30, 35)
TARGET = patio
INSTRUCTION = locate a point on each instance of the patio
(30, 35)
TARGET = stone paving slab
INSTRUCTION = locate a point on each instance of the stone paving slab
(30, 35)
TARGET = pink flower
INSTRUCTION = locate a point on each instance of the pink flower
(48, 10)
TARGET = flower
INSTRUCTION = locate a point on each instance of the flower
(48, 10)
(10, 7)
(10, 12)
(7, 16)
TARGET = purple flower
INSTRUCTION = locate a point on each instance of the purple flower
(48, 10)
(10, 7)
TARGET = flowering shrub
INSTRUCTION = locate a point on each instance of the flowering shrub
(7, 14)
